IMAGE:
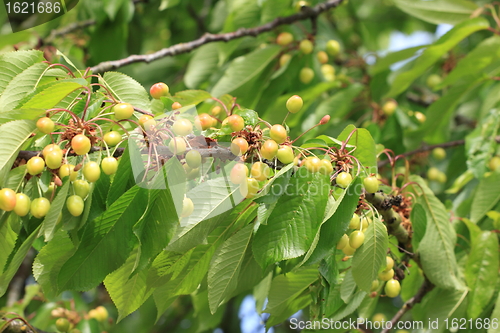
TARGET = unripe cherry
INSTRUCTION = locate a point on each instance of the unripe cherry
(250, 188)
(68, 170)
(193, 159)
(284, 59)
(203, 121)
(109, 165)
(45, 125)
(53, 160)
(187, 207)
(239, 173)
(326, 167)
(182, 127)
(313, 164)
(113, 138)
(23, 203)
(216, 110)
(260, 171)
(91, 171)
(81, 144)
(344, 240)
(392, 288)
(306, 46)
(278, 133)
(343, 179)
(123, 111)
(389, 107)
(239, 146)
(322, 57)
(7, 199)
(144, 119)
(269, 149)
(40, 207)
(177, 146)
(285, 154)
(386, 275)
(81, 188)
(333, 47)
(284, 38)
(235, 122)
(75, 205)
(348, 250)
(355, 221)
(35, 165)
(356, 239)
(176, 105)
(159, 90)
(49, 148)
(306, 75)
(294, 104)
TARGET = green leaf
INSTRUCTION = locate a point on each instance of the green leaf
(481, 272)
(249, 116)
(486, 197)
(347, 287)
(203, 64)
(475, 61)
(226, 265)
(49, 97)
(366, 150)
(20, 86)
(50, 221)
(434, 52)
(21, 114)
(127, 291)
(12, 137)
(8, 237)
(438, 11)
(385, 63)
(105, 244)
(441, 304)
(285, 288)
(436, 249)
(123, 180)
(339, 104)
(126, 89)
(353, 304)
(190, 97)
(418, 222)
(494, 317)
(370, 256)
(294, 222)
(14, 63)
(17, 259)
(244, 68)
(49, 261)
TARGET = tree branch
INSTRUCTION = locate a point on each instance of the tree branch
(426, 287)
(305, 14)
(68, 29)
(426, 147)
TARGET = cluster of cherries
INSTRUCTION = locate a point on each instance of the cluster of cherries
(306, 47)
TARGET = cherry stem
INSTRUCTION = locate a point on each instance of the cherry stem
(223, 105)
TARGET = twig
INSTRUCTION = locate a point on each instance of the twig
(70, 28)
(306, 13)
(426, 287)
(425, 148)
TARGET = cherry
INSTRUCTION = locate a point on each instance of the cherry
(109, 165)
(371, 184)
(192, 173)
(144, 119)
(294, 104)
(278, 133)
(355, 222)
(420, 117)
(433, 174)
(326, 167)
(433, 81)
(284, 59)
(269, 149)
(328, 72)
(63, 325)
(389, 263)
(159, 90)
(91, 171)
(193, 159)
(284, 38)
(81, 144)
(389, 107)
(216, 110)
(439, 153)
(123, 111)
(100, 313)
(239, 146)
(7, 199)
(177, 146)
(306, 75)
(285, 154)
(322, 57)
(343, 179)
(68, 170)
(182, 127)
(40, 207)
(239, 173)
(251, 188)
(356, 239)
(204, 121)
(75, 205)
(344, 240)
(313, 164)
(23, 203)
(306, 46)
(45, 125)
(49, 148)
(392, 288)
(494, 163)
(81, 188)
(348, 250)
(235, 122)
(365, 221)
(53, 159)
(176, 106)
(386, 275)
(187, 207)
(332, 47)
(379, 317)
(260, 171)
(35, 165)
(112, 138)
(374, 286)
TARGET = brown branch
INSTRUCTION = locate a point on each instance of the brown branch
(426, 147)
(305, 14)
(426, 287)
(68, 29)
